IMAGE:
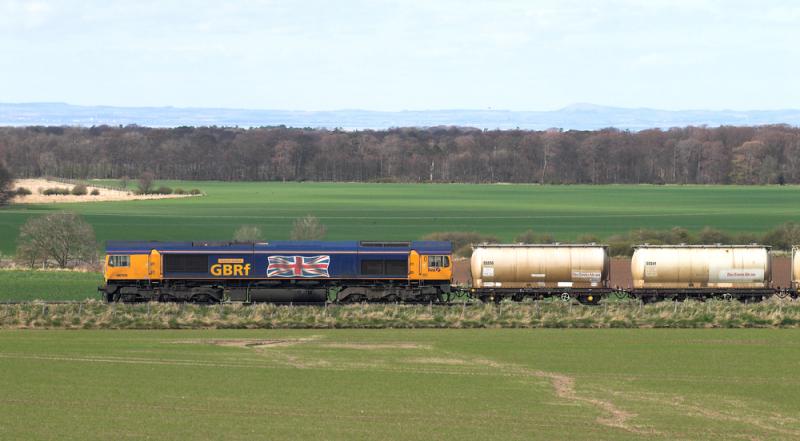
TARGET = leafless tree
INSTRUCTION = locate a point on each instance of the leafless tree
(248, 233)
(308, 228)
(63, 237)
(6, 182)
(145, 182)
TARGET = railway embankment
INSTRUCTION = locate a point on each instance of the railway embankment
(773, 313)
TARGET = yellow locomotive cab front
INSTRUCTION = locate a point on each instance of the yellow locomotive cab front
(430, 266)
(133, 266)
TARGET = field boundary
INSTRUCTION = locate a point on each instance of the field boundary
(93, 314)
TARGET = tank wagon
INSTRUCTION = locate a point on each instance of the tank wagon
(795, 269)
(701, 271)
(522, 271)
(281, 271)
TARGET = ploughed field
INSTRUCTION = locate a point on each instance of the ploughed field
(400, 384)
(409, 211)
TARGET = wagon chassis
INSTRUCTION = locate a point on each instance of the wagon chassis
(587, 296)
(745, 294)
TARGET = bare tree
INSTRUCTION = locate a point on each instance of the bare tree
(248, 233)
(308, 228)
(62, 237)
(28, 255)
(145, 182)
(6, 182)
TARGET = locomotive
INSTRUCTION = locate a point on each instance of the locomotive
(281, 271)
(422, 271)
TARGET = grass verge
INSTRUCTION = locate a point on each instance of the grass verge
(623, 314)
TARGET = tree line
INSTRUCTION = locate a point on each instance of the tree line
(690, 155)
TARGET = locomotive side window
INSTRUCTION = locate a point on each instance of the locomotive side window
(384, 267)
(119, 261)
(186, 263)
(438, 262)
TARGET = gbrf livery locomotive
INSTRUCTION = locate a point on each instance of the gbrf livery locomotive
(281, 271)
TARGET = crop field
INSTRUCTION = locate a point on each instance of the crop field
(21, 285)
(400, 384)
(409, 211)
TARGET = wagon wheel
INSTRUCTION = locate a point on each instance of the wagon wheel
(782, 294)
(565, 296)
(727, 297)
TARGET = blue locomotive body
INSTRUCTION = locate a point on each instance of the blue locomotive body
(278, 271)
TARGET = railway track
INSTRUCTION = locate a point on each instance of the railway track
(320, 304)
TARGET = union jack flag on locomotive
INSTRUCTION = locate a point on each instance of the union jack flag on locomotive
(298, 266)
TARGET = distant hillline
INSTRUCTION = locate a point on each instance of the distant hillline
(575, 117)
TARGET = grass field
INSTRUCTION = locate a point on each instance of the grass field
(20, 285)
(400, 384)
(408, 211)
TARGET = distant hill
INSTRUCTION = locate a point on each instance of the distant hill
(577, 116)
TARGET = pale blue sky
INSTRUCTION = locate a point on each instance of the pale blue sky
(395, 55)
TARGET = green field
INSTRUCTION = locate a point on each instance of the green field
(18, 285)
(400, 384)
(408, 211)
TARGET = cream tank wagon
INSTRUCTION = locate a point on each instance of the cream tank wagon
(523, 271)
(701, 271)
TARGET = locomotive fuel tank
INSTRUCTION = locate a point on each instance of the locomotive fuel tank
(540, 266)
(701, 266)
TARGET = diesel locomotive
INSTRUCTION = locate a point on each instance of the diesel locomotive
(280, 271)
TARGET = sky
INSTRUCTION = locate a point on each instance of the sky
(403, 55)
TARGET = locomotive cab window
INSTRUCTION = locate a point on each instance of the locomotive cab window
(119, 261)
(438, 262)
